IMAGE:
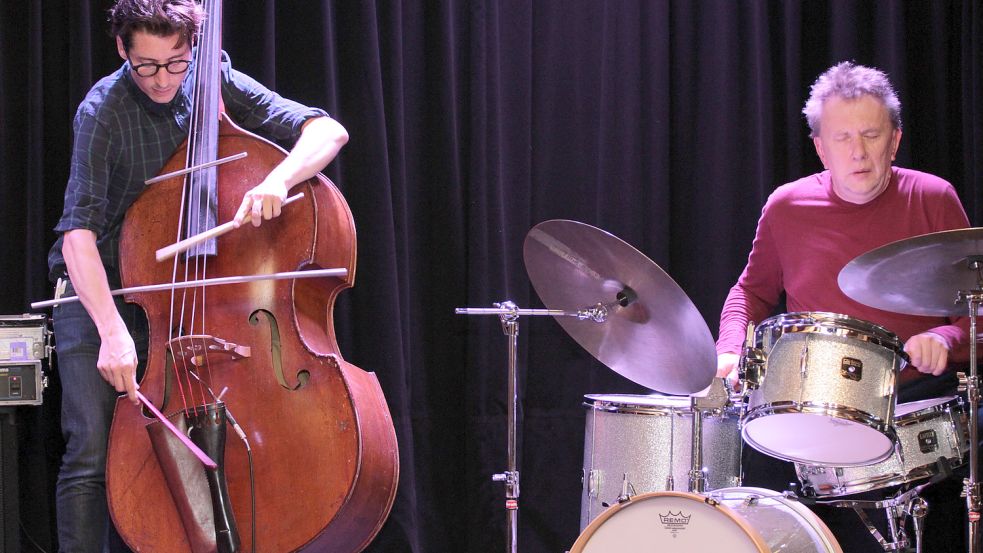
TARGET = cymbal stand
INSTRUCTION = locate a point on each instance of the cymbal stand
(971, 485)
(509, 315)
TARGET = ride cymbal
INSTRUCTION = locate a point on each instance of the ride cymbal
(921, 275)
(652, 333)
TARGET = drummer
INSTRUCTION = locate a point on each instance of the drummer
(811, 228)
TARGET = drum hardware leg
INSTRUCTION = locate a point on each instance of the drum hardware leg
(918, 510)
(715, 401)
(897, 509)
(697, 482)
(895, 522)
(625, 497)
(901, 541)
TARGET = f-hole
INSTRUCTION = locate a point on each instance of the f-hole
(276, 355)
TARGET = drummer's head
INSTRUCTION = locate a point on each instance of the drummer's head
(855, 120)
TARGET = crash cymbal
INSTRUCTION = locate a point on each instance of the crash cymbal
(658, 339)
(917, 276)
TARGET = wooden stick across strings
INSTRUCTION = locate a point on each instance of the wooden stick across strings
(168, 252)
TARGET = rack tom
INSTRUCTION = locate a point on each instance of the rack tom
(927, 430)
(825, 394)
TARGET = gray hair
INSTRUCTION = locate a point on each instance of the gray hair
(849, 80)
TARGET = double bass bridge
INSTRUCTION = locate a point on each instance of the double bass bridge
(194, 349)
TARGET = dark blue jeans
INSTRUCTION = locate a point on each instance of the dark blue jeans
(87, 408)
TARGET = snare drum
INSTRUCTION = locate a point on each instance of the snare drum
(737, 520)
(926, 431)
(636, 444)
(826, 393)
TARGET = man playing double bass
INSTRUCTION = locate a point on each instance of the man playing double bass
(126, 128)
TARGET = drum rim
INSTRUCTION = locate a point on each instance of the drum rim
(590, 529)
(930, 412)
(875, 483)
(824, 322)
(824, 409)
(594, 403)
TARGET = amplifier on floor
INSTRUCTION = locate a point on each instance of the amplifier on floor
(25, 343)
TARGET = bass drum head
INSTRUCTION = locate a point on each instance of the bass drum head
(678, 522)
(787, 525)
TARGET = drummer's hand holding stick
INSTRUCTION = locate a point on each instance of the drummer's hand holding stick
(929, 352)
(727, 368)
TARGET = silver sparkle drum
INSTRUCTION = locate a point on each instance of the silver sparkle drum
(927, 430)
(825, 395)
(635, 444)
(735, 520)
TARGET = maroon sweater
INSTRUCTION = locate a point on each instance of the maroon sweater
(807, 234)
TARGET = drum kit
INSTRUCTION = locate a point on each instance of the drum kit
(663, 472)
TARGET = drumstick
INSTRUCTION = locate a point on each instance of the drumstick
(168, 252)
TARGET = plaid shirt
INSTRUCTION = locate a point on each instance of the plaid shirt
(123, 138)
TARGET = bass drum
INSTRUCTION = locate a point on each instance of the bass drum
(736, 520)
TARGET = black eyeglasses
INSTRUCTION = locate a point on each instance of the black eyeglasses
(175, 67)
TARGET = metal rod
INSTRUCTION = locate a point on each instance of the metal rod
(509, 313)
(317, 273)
(973, 394)
(504, 311)
(697, 483)
(187, 170)
(511, 328)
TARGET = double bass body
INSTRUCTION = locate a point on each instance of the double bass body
(322, 439)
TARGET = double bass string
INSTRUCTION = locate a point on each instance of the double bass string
(188, 214)
(206, 149)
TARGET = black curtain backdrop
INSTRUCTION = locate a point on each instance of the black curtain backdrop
(666, 123)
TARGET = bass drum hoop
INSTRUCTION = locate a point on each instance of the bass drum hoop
(588, 533)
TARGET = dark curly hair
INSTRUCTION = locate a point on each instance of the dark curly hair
(157, 17)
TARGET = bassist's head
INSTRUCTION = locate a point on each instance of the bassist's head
(160, 18)
(155, 37)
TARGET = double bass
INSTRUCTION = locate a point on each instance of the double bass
(311, 460)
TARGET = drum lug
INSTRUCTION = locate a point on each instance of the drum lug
(751, 365)
(804, 361)
(591, 482)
